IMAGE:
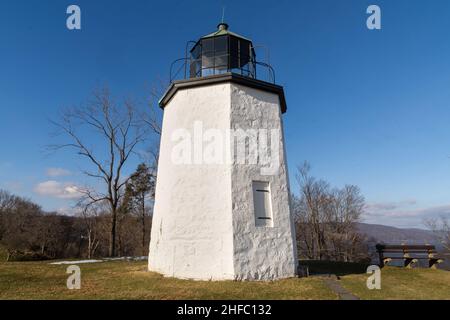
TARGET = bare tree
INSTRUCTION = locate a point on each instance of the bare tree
(347, 205)
(7, 202)
(30, 233)
(140, 189)
(90, 215)
(326, 219)
(153, 118)
(117, 129)
(19, 221)
(312, 213)
(48, 232)
(441, 227)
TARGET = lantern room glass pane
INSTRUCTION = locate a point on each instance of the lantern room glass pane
(208, 72)
(221, 62)
(221, 45)
(234, 53)
(196, 66)
(208, 60)
(244, 53)
(245, 47)
(196, 52)
(196, 63)
(207, 45)
(192, 71)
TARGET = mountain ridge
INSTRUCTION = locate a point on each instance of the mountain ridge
(389, 234)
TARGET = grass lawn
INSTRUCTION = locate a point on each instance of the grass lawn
(402, 284)
(130, 280)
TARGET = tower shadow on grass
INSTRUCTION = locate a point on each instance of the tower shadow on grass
(319, 267)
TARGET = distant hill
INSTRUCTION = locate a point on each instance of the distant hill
(387, 234)
(377, 233)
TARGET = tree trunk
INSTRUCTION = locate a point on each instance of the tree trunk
(143, 227)
(89, 245)
(80, 243)
(112, 242)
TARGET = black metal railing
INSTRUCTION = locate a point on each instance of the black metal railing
(187, 68)
(179, 70)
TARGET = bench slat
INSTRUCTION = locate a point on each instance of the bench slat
(404, 247)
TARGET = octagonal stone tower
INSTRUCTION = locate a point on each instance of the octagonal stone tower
(222, 208)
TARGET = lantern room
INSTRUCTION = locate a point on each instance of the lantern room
(220, 52)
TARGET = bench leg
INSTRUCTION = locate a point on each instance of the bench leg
(410, 262)
(432, 263)
(381, 258)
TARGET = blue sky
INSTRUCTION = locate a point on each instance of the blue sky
(369, 108)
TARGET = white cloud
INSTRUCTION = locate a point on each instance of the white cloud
(68, 211)
(57, 172)
(402, 214)
(388, 206)
(57, 189)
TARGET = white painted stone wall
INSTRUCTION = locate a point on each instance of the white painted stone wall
(260, 253)
(191, 233)
(203, 224)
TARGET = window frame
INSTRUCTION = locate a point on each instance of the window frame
(262, 198)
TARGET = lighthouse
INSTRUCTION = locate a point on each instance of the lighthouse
(222, 201)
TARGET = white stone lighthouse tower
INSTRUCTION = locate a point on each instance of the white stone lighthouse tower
(222, 195)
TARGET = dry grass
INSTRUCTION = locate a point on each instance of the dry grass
(402, 284)
(130, 280)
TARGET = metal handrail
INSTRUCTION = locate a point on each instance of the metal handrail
(269, 67)
(174, 76)
(171, 76)
(186, 55)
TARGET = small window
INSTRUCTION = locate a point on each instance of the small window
(262, 204)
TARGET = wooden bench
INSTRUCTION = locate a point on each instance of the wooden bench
(410, 254)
